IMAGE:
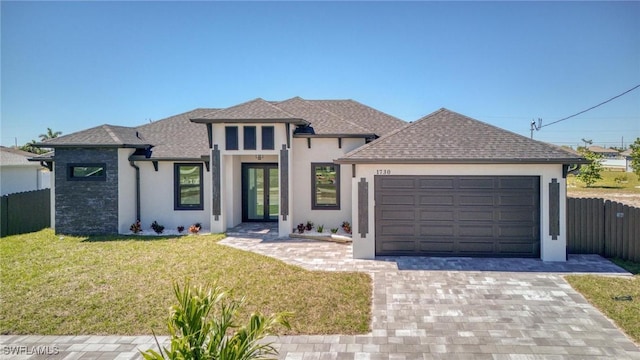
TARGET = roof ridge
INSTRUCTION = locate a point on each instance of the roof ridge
(113, 136)
(366, 146)
(176, 115)
(335, 115)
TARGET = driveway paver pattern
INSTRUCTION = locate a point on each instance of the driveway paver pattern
(423, 308)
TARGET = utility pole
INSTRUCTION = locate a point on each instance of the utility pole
(535, 126)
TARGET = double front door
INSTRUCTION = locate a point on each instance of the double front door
(260, 192)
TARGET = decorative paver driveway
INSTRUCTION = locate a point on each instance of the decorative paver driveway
(424, 308)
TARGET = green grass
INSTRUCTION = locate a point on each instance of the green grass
(616, 297)
(123, 285)
(608, 181)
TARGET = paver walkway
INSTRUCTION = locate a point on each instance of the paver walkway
(423, 308)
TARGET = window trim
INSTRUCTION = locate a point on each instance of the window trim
(231, 133)
(102, 177)
(270, 140)
(177, 187)
(250, 143)
(314, 200)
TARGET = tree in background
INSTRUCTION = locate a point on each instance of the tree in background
(29, 147)
(590, 173)
(635, 156)
(50, 134)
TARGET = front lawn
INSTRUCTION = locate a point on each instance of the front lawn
(123, 285)
(616, 297)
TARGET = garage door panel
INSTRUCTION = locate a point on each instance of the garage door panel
(430, 215)
(436, 200)
(516, 200)
(475, 200)
(396, 183)
(519, 183)
(476, 183)
(397, 199)
(518, 232)
(436, 183)
(437, 230)
(476, 247)
(517, 214)
(480, 214)
(476, 231)
(398, 214)
(397, 229)
(457, 215)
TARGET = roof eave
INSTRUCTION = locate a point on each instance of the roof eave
(294, 121)
(462, 161)
(167, 158)
(335, 135)
(80, 145)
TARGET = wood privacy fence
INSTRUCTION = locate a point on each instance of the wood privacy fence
(603, 227)
(25, 212)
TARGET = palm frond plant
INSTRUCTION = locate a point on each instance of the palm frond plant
(203, 326)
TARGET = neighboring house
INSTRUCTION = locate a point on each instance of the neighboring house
(606, 153)
(18, 174)
(611, 159)
(443, 185)
(626, 155)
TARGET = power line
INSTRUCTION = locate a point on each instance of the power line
(591, 108)
(539, 125)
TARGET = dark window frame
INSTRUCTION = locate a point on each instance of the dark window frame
(71, 166)
(177, 187)
(250, 138)
(231, 138)
(268, 139)
(314, 200)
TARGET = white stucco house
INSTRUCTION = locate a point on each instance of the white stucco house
(445, 184)
(18, 174)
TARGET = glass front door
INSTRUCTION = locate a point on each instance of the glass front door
(260, 191)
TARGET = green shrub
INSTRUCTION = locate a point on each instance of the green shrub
(203, 326)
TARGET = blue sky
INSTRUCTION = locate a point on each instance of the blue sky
(75, 65)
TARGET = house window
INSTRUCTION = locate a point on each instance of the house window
(87, 172)
(231, 137)
(249, 137)
(268, 138)
(188, 187)
(325, 186)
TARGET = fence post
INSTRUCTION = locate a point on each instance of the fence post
(4, 217)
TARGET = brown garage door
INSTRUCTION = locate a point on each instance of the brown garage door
(497, 216)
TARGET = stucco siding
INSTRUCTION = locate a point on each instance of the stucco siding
(157, 189)
(551, 250)
(126, 191)
(323, 150)
(231, 172)
(15, 179)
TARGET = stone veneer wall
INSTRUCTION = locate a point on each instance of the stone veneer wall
(86, 207)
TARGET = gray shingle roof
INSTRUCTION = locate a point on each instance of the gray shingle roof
(177, 137)
(103, 136)
(15, 157)
(448, 137)
(327, 117)
(322, 120)
(257, 109)
(183, 137)
(373, 120)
